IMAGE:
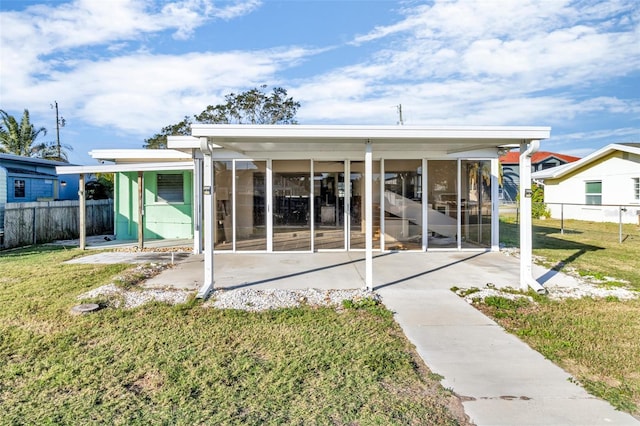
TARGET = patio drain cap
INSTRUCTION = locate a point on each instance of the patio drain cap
(85, 308)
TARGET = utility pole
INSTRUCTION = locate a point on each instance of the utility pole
(60, 122)
(401, 121)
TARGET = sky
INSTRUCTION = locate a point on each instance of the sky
(121, 70)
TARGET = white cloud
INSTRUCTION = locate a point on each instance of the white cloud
(625, 134)
(142, 93)
(29, 36)
(447, 62)
(486, 62)
(50, 48)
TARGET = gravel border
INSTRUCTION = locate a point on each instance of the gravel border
(125, 292)
(584, 286)
(256, 300)
(261, 300)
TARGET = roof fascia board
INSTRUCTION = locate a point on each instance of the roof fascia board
(130, 167)
(185, 142)
(369, 132)
(139, 154)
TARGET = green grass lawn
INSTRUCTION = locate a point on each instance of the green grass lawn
(597, 341)
(187, 364)
(589, 247)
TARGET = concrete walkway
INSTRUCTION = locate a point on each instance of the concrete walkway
(499, 378)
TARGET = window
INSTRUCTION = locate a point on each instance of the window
(593, 190)
(170, 188)
(18, 187)
(636, 189)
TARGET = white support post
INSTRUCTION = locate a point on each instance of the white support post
(82, 219)
(383, 207)
(208, 222)
(459, 204)
(526, 240)
(269, 205)
(425, 207)
(140, 210)
(312, 207)
(495, 204)
(368, 217)
(197, 205)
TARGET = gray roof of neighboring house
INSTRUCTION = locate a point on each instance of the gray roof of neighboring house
(30, 160)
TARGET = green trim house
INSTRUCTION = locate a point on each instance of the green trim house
(167, 201)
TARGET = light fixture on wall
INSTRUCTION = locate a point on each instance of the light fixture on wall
(63, 183)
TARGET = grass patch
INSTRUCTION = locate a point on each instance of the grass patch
(592, 248)
(187, 364)
(595, 340)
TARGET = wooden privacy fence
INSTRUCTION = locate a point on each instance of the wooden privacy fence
(46, 221)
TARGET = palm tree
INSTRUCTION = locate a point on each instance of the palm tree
(49, 151)
(18, 138)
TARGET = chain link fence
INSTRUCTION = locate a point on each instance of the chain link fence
(613, 222)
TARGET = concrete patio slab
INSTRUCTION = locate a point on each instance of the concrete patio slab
(132, 257)
(501, 380)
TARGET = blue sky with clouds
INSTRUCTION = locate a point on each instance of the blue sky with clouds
(121, 70)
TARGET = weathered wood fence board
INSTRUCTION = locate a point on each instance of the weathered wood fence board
(46, 221)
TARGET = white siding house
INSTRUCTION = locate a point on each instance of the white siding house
(602, 187)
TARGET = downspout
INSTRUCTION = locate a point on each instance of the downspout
(526, 241)
(368, 212)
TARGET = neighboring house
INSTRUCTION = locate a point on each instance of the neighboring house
(595, 187)
(296, 188)
(167, 195)
(541, 160)
(27, 179)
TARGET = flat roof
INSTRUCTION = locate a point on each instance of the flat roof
(139, 155)
(255, 139)
(127, 167)
(419, 133)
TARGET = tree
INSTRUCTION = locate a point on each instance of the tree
(49, 151)
(254, 106)
(100, 188)
(159, 140)
(18, 138)
(538, 207)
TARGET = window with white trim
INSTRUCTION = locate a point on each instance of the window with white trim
(170, 188)
(593, 192)
(636, 189)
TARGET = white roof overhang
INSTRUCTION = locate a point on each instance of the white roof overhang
(140, 155)
(127, 167)
(342, 138)
(562, 170)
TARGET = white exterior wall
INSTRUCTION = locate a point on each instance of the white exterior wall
(616, 173)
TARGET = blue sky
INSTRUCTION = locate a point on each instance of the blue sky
(121, 70)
